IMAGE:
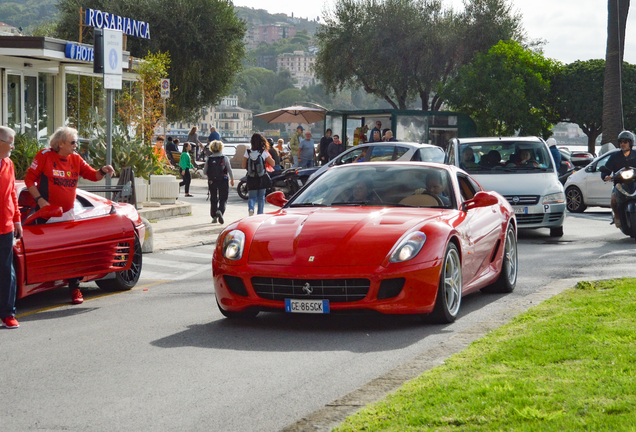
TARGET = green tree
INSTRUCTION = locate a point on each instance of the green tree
(617, 11)
(203, 37)
(257, 87)
(505, 91)
(399, 50)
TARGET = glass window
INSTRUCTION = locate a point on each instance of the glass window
(46, 108)
(400, 151)
(381, 153)
(31, 105)
(429, 154)
(355, 155)
(505, 157)
(14, 102)
(411, 128)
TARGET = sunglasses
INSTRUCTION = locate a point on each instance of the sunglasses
(624, 141)
(73, 142)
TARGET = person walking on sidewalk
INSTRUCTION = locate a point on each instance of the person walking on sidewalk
(218, 169)
(10, 228)
(257, 178)
(185, 163)
(52, 180)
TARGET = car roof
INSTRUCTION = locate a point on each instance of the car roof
(503, 139)
(395, 143)
(401, 163)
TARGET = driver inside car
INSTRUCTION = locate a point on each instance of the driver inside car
(435, 187)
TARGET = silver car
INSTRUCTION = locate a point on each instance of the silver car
(519, 168)
(384, 151)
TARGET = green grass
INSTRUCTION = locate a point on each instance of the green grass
(567, 364)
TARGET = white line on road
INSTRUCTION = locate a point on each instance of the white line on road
(620, 252)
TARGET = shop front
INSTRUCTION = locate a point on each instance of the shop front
(433, 127)
(47, 83)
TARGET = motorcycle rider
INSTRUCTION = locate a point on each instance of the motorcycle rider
(622, 159)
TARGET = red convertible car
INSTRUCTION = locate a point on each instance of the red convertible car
(393, 237)
(101, 241)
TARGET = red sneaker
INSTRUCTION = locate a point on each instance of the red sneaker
(76, 297)
(11, 322)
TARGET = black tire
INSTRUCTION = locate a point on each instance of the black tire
(508, 277)
(246, 314)
(125, 280)
(242, 189)
(574, 200)
(556, 232)
(449, 291)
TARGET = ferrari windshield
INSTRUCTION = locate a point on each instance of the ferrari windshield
(379, 185)
(505, 157)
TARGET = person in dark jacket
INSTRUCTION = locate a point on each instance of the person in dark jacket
(621, 159)
(324, 147)
(335, 148)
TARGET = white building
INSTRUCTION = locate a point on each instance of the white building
(300, 65)
(230, 121)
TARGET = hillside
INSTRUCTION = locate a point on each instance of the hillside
(27, 14)
(255, 17)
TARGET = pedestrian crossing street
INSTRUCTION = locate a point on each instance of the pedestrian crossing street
(172, 265)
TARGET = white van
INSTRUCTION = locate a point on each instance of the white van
(519, 168)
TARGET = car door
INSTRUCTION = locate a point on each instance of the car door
(598, 192)
(483, 228)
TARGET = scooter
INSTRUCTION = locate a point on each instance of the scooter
(286, 181)
(625, 182)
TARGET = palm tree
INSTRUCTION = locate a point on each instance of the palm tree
(612, 93)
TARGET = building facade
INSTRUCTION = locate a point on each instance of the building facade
(300, 65)
(230, 120)
(268, 34)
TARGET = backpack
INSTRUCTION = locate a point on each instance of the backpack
(255, 164)
(216, 168)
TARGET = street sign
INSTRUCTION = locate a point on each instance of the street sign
(165, 88)
(113, 44)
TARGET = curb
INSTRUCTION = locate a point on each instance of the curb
(334, 413)
(166, 211)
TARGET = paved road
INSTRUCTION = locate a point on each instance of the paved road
(161, 357)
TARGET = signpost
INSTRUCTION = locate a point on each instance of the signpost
(111, 59)
(165, 94)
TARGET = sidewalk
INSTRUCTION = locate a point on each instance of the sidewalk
(196, 228)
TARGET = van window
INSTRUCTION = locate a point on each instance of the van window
(505, 157)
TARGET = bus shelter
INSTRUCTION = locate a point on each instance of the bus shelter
(432, 127)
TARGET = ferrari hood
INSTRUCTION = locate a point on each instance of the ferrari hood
(333, 236)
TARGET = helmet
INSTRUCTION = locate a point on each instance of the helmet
(270, 141)
(628, 136)
(551, 142)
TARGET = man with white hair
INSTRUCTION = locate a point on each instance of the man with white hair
(10, 228)
(52, 179)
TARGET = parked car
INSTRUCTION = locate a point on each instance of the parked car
(581, 158)
(567, 168)
(519, 168)
(586, 188)
(394, 237)
(101, 242)
(379, 152)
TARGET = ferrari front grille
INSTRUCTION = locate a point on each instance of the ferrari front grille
(334, 290)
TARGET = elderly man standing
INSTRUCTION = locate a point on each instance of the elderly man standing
(306, 152)
(52, 180)
(10, 228)
(214, 135)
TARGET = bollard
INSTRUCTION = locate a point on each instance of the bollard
(148, 245)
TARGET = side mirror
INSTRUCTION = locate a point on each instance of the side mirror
(481, 199)
(276, 198)
(45, 212)
(604, 170)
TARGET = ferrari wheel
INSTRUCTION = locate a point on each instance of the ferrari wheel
(127, 279)
(508, 277)
(242, 189)
(574, 200)
(247, 314)
(449, 293)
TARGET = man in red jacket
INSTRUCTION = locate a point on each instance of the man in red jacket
(52, 179)
(10, 228)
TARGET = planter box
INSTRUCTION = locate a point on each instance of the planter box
(164, 189)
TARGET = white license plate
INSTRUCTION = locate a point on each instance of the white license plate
(306, 306)
(300, 182)
(521, 210)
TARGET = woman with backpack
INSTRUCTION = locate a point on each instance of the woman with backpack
(217, 167)
(257, 178)
(185, 163)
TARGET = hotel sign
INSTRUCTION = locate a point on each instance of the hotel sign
(79, 52)
(105, 20)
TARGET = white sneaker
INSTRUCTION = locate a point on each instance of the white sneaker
(251, 212)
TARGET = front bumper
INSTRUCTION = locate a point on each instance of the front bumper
(417, 295)
(540, 215)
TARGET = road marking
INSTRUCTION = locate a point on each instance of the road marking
(174, 264)
(189, 254)
(48, 308)
(620, 252)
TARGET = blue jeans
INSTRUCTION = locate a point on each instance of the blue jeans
(295, 160)
(308, 163)
(252, 196)
(7, 276)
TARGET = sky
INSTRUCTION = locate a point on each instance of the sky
(572, 29)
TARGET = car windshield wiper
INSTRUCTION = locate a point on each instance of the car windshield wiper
(350, 203)
(309, 204)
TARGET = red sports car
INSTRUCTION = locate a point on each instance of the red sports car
(394, 237)
(101, 241)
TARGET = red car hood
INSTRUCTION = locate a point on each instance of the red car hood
(333, 236)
